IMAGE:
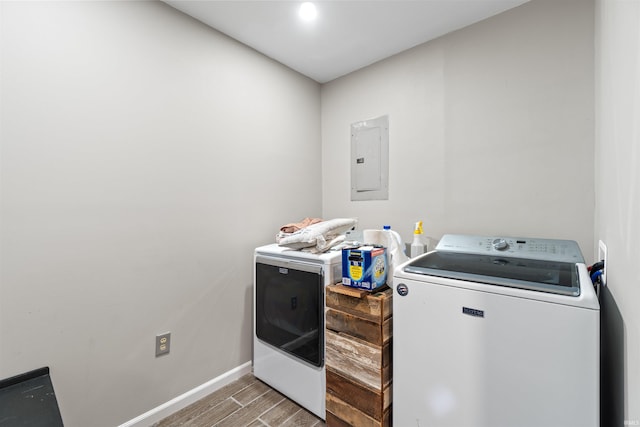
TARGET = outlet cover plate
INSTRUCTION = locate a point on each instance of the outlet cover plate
(163, 344)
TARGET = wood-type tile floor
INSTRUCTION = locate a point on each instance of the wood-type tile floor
(246, 402)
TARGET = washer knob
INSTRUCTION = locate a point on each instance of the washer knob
(500, 244)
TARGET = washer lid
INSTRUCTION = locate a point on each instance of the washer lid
(532, 274)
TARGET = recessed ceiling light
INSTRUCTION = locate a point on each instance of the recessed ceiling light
(307, 11)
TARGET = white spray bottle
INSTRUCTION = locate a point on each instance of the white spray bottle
(417, 246)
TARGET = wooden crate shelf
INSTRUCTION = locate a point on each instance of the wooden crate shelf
(358, 356)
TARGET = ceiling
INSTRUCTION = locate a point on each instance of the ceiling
(347, 34)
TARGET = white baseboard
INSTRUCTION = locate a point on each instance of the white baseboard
(160, 412)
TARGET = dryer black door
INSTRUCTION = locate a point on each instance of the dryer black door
(289, 310)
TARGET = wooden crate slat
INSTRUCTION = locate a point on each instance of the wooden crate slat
(387, 329)
(354, 358)
(374, 306)
(350, 291)
(387, 302)
(333, 421)
(387, 420)
(366, 330)
(348, 413)
(368, 401)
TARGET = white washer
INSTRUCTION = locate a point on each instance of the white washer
(496, 332)
(288, 326)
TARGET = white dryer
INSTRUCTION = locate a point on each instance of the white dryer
(496, 332)
(289, 322)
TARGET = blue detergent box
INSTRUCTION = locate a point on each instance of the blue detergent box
(364, 267)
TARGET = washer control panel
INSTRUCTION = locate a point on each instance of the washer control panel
(520, 247)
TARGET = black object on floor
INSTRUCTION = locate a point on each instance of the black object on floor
(28, 400)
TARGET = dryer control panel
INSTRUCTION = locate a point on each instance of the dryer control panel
(520, 247)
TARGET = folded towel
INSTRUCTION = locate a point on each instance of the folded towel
(295, 226)
(321, 234)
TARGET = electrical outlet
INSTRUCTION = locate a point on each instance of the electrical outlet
(163, 344)
(602, 256)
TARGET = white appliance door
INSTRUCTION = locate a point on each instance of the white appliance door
(465, 358)
(288, 329)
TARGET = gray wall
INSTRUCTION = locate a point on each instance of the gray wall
(617, 221)
(143, 157)
(491, 129)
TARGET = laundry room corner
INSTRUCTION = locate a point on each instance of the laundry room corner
(490, 129)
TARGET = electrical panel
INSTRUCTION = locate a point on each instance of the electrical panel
(370, 159)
